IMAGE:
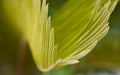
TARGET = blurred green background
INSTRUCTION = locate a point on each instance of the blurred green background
(103, 60)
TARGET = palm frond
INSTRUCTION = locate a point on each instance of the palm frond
(78, 24)
(83, 25)
(40, 35)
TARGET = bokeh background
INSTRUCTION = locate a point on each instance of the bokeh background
(103, 60)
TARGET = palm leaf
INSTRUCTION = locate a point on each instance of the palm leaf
(78, 24)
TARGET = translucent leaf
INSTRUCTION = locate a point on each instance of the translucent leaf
(78, 24)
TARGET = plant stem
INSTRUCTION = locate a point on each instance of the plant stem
(21, 57)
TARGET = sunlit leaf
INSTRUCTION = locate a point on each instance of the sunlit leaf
(78, 26)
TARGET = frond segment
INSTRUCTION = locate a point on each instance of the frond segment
(41, 37)
(81, 27)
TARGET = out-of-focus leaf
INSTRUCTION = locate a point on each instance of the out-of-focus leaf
(70, 70)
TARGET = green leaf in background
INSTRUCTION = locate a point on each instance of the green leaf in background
(78, 25)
